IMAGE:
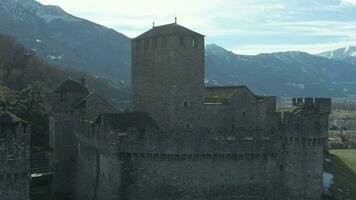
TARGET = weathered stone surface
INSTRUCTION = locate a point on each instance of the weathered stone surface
(14, 158)
(184, 141)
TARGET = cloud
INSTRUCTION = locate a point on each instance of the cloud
(348, 2)
(251, 26)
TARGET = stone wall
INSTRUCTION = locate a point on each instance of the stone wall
(108, 175)
(64, 144)
(283, 161)
(15, 161)
(157, 76)
(304, 132)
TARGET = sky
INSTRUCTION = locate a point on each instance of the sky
(242, 26)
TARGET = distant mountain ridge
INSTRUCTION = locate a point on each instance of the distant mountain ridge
(346, 54)
(79, 44)
(66, 40)
(281, 74)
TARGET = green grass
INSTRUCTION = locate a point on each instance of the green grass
(343, 114)
(343, 167)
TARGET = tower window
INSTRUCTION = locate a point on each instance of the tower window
(193, 42)
(188, 126)
(185, 104)
(281, 169)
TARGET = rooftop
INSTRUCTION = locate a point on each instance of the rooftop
(221, 94)
(168, 29)
(127, 120)
(71, 86)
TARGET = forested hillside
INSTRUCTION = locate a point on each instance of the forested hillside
(25, 81)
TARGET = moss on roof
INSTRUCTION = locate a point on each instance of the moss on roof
(223, 92)
(167, 29)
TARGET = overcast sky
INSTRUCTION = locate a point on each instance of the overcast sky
(242, 26)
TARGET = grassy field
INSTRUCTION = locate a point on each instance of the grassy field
(342, 165)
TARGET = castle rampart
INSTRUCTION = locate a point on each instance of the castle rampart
(184, 141)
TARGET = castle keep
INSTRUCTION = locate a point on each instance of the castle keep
(183, 140)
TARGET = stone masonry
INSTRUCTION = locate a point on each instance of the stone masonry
(183, 140)
(14, 158)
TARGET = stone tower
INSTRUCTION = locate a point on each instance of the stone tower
(304, 132)
(168, 75)
(62, 139)
(14, 158)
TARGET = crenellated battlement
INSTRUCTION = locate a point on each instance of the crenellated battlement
(322, 105)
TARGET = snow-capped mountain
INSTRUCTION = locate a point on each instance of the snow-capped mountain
(80, 44)
(66, 40)
(281, 74)
(347, 54)
(19, 10)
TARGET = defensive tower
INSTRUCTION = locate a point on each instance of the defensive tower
(168, 75)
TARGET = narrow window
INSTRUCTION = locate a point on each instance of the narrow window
(281, 169)
(24, 128)
(2, 133)
(185, 104)
(188, 126)
(193, 42)
(141, 133)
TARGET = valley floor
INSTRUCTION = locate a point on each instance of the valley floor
(341, 164)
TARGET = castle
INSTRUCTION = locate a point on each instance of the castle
(183, 140)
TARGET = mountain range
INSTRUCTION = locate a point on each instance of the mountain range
(79, 44)
(347, 54)
(65, 39)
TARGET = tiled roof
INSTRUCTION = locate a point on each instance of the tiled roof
(223, 93)
(168, 29)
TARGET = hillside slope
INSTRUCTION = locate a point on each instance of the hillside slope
(341, 165)
(20, 68)
(63, 39)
